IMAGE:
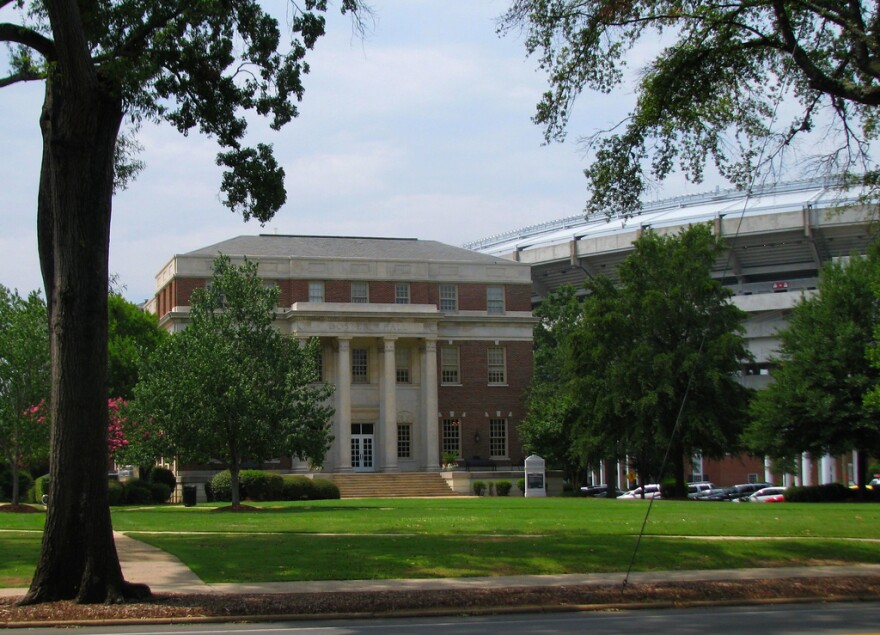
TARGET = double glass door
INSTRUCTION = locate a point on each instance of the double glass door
(362, 447)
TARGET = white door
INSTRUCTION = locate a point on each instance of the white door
(362, 447)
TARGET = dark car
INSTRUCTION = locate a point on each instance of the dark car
(598, 491)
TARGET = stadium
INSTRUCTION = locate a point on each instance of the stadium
(778, 237)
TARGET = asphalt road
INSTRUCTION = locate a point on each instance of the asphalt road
(838, 618)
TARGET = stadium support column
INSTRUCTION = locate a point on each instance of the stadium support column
(430, 406)
(343, 405)
(389, 407)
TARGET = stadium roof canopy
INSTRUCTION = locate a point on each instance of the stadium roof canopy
(779, 236)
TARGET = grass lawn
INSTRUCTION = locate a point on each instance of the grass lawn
(399, 538)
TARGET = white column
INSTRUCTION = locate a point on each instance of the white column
(343, 405)
(806, 469)
(430, 406)
(768, 470)
(621, 475)
(602, 473)
(828, 468)
(389, 407)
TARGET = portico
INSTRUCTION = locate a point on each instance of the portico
(382, 360)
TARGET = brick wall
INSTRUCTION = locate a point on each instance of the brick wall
(475, 402)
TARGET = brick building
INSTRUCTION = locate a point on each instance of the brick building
(429, 346)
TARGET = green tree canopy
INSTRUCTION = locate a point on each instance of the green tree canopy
(548, 426)
(132, 335)
(24, 380)
(654, 363)
(230, 386)
(715, 91)
(817, 401)
(198, 65)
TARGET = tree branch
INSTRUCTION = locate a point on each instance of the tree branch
(18, 77)
(29, 38)
(818, 80)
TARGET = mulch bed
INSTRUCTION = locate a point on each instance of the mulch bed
(460, 601)
(20, 509)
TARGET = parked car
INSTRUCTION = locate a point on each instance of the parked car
(733, 492)
(695, 489)
(651, 491)
(598, 491)
(765, 495)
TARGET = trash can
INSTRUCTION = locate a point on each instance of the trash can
(189, 495)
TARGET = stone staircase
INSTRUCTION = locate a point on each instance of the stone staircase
(391, 485)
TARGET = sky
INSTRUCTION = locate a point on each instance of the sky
(422, 129)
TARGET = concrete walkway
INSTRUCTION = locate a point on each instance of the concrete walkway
(164, 573)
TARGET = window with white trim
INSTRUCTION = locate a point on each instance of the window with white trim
(360, 369)
(316, 292)
(495, 300)
(451, 436)
(402, 362)
(449, 368)
(360, 292)
(448, 297)
(401, 293)
(497, 366)
(404, 441)
(497, 438)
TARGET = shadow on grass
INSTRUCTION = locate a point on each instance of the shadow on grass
(279, 558)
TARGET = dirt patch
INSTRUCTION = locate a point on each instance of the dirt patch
(223, 606)
(20, 509)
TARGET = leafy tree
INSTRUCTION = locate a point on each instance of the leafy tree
(24, 381)
(714, 92)
(132, 335)
(196, 65)
(817, 401)
(656, 357)
(548, 426)
(230, 386)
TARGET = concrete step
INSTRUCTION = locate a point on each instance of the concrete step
(390, 485)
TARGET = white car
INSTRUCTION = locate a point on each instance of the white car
(766, 495)
(651, 491)
(697, 489)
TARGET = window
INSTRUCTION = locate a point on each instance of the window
(360, 292)
(404, 441)
(316, 292)
(497, 371)
(449, 365)
(498, 437)
(451, 431)
(495, 299)
(448, 297)
(401, 293)
(401, 360)
(753, 477)
(359, 367)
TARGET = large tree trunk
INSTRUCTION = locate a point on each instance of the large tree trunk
(80, 123)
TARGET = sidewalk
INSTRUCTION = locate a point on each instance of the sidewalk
(164, 573)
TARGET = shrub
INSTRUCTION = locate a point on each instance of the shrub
(41, 486)
(163, 475)
(115, 490)
(297, 488)
(221, 486)
(502, 488)
(160, 492)
(325, 489)
(479, 487)
(828, 493)
(521, 485)
(137, 492)
(209, 492)
(259, 485)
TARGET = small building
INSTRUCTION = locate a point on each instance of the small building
(429, 346)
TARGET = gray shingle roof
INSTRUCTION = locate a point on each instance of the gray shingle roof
(407, 249)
